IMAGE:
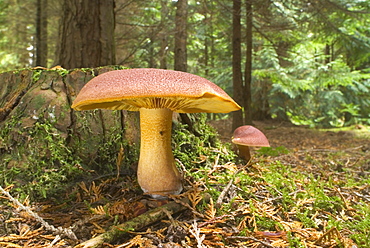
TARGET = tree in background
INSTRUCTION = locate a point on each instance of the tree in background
(180, 46)
(87, 34)
(247, 93)
(145, 33)
(17, 34)
(305, 64)
(242, 90)
(41, 33)
(163, 36)
(238, 88)
(181, 62)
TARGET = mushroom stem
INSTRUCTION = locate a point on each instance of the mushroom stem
(244, 152)
(157, 173)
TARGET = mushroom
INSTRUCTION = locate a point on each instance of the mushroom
(246, 136)
(155, 93)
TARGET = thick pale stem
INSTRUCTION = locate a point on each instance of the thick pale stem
(157, 173)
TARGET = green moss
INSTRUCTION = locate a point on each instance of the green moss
(36, 75)
(63, 72)
(42, 165)
(191, 146)
(38, 102)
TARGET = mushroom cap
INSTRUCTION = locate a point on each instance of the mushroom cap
(132, 89)
(249, 136)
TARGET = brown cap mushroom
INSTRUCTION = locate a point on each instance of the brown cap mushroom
(246, 136)
(156, 93)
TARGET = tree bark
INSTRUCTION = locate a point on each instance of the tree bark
(87, 34)
(181, 60)
(181, 36)
(41, 33)
(237, 71)
(248, 65)
(163, 36)
(208, 40)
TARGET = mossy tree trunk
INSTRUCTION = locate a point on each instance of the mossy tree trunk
(44, 144)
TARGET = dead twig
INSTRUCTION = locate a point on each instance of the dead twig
(134, 224)
(195, 231)
(66, 232)
(221, 197)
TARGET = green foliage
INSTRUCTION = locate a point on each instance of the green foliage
(106, 160)
(321, 79)
(329, 95)
(295, 241)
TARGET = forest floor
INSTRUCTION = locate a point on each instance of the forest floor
(310, 189)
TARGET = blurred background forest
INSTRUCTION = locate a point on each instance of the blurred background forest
(306, 61)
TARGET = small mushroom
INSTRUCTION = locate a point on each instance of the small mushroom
(155, 93)
(246, 136)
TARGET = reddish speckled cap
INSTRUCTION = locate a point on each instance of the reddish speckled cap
(249, 136)
(132, 89)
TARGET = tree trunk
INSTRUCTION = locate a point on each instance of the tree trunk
(205, 11)
(41, 33)
(181, 36)
(212, 50)
(87, 34)
(328, 54)
(237, 71)
(206, 50)
(163, 36)
(248, 65)
(180, 48)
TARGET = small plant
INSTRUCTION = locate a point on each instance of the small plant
(295, 241)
